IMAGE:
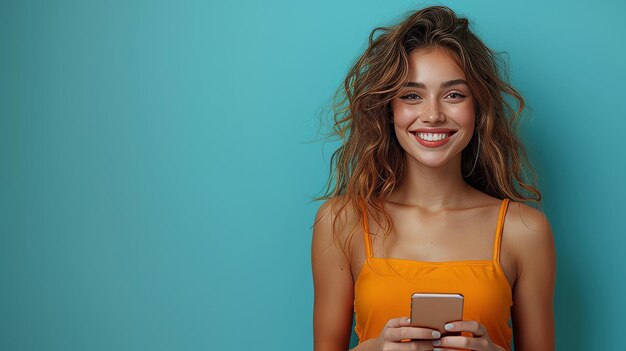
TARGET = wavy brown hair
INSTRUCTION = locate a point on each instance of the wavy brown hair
(370, 161)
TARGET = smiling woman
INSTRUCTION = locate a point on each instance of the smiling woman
(430, 154)
(435, 105)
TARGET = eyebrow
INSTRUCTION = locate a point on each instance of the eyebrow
(443, 85)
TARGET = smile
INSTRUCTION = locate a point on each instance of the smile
(432, 136)
(433, 139)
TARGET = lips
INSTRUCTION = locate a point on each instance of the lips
(433, 143)
(435, 130)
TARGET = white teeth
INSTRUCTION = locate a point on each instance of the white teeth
(432, 136)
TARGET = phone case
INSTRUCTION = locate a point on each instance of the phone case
(434, 310)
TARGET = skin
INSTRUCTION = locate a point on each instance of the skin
(427, 209)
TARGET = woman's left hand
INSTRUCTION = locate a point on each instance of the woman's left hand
(479, 342)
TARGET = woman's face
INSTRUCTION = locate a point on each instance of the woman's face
(435, 103)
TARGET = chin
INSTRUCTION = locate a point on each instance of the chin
(430, 163)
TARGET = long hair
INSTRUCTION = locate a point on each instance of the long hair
(370, 161)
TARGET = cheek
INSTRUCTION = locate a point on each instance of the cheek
(464, 114)
(403, 115)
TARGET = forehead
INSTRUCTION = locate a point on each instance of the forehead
(433, 64)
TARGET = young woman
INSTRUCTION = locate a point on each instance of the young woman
(428, 197)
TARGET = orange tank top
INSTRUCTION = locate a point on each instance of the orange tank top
(382, 292)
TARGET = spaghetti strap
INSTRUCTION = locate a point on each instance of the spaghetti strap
(499, 226)
(366, 236)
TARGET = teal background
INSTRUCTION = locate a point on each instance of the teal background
(157, 159)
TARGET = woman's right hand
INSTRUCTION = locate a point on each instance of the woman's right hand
(398, 329)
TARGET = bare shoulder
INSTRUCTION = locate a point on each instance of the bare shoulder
(333, 222)
(527, 224)
(529, 233)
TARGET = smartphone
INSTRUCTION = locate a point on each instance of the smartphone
(434, 310)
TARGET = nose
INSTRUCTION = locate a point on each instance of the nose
(432, 112)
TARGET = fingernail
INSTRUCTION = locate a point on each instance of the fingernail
(436, 342)
(449, 326)
(409, 320)
(436, 334)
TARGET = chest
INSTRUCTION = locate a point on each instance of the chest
(461, 236)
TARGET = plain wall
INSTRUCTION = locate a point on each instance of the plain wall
(158, 158)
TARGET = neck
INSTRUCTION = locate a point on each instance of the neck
(432, 188)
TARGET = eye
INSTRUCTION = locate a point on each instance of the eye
(456, 95)
(410, 97)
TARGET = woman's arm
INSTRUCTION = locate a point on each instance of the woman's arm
(533, 291)
(333, 287)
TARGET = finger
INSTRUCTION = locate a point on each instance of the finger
(425, 345)
(398, 322)
(402, 333)
(474, 327)
(461, 342)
